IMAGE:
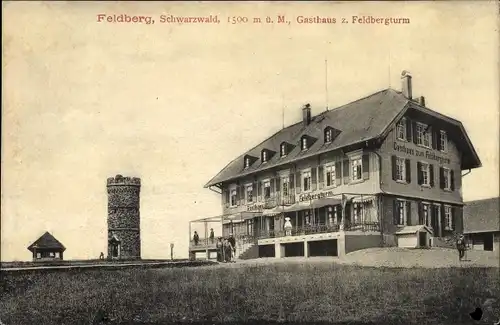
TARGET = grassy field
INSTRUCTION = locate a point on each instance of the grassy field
(267, 292)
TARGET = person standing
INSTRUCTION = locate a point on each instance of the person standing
(212, 236)
(461, 247)
(232, 241)
(196, 238)
(219, 247)
(288, 227)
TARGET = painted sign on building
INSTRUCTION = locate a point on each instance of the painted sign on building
(428, 154)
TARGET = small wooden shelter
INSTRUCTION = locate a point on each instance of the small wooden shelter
(47, 248)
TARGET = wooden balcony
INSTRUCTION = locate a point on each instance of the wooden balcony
(321, 229)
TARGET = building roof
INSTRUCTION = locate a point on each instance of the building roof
(365, 119)
(412, 230)
(46, 241)
(482, 215)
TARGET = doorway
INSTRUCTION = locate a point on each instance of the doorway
(488, 242)
(115, 250)
(422, 239)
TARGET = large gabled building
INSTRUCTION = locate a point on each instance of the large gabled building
(384, 170)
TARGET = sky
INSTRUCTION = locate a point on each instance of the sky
(173, 104)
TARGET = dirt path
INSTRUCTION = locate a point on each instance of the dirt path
(391, 257)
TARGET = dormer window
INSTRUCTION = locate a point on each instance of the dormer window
(247, 162)
(328, 135)
(283, 150)
(264, 156)
(304, 143)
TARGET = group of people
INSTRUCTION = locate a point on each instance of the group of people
(226, 247)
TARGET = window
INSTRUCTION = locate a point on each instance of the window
(401, 212)
(423, 135)
(283, 150)
(38, 255)
(284, 186)
(332, 215)
(267, 189)
(356, 168)
(357, 210)
(304, 143)
(51, 254)
(264, 156)
(306, 181)
(443, 141)
(233, 197)
(307, 217)
(249, 191)
(425, 174)
(328, 135)
(401, 129)
(448, 218)
(400, 169)
(446, 179)
(426, 215)
(330, 175)
(247, 162)
(57, 255)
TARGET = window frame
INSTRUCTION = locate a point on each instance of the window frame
(448, 217)
(264, 183)
(332, 175)
(302, 178)
(447, 178)
(401, 126)
(352, 160)
(427, 173)
(231, 189)
(328, 134)
(303, 144)
(283, 152)
(285, 180)
(423, 136)
(443, 139)
(246, 193)
(403, 169)
(402, 205)
(427, 218)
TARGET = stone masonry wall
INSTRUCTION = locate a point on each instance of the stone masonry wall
(124, 215)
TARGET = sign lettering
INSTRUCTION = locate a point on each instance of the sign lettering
(428, 154)
(315, 196)
(255, 207)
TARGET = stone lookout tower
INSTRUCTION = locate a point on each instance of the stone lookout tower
(124, 234)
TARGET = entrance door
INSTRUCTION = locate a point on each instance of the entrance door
(422, 239)
(115, 249)
(488, 242)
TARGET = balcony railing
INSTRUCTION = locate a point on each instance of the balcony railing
(203, 243)
(319, 229)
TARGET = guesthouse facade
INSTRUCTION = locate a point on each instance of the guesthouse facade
(384, 170)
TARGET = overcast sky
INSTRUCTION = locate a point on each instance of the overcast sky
(173, 104)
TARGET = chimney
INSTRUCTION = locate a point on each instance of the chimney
(421, 101)
(306, 114)
(406, 84)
